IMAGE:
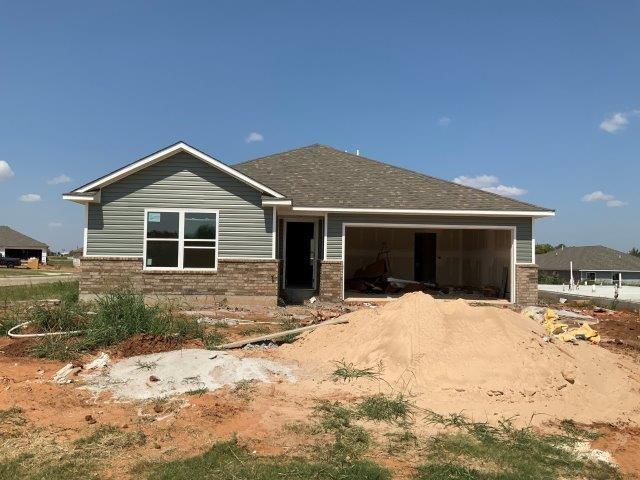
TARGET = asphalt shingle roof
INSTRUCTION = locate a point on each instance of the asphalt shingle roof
(322, 176)
(594, 257)
(10, 238)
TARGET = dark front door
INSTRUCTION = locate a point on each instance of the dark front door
(424, 267)
(299, 255)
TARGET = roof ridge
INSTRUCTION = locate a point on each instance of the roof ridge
(244, 162)
(437, 178)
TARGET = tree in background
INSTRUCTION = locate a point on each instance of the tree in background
(635, 252)
(544, 248)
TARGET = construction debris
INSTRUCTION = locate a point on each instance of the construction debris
(65, 374)
(285, 333)
(549, 318)
(62, 375)
(182, 371)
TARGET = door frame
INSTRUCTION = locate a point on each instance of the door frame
(315, 221)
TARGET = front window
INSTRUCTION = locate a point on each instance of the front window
(185, 239)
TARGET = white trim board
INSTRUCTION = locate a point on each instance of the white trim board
(481, 213)
(512, 269)
(168, 152)
(95, 198)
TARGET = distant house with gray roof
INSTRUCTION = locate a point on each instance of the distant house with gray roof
(306, 222)
(593, 263)
(18, 245)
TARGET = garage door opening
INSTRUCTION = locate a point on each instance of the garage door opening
(471, 263)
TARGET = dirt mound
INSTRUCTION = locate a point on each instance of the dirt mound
(456, 356)
(145, 343)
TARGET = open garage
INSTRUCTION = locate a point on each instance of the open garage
(463, 262)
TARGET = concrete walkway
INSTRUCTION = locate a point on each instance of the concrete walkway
(36, 279)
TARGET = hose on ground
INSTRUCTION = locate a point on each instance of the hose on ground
(36, 335)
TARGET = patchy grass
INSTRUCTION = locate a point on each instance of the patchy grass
(38, 292)
(58, 461)
(12, 415)
(228, 461)
(257, 329)
(108, 436)
(475, 450)
(214, 338)
(140, 365)
(244, 389)
(380, 407)
(573, 430)
(347, 371)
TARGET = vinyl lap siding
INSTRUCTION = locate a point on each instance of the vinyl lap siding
(524, 229)
(116, 225)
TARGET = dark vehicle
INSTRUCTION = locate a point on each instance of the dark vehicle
(9, 262)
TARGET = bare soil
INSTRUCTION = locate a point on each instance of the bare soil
(260, 417)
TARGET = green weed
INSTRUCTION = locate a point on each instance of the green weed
(348, 371)
(481, 451)
(228, 461)
(385, 408)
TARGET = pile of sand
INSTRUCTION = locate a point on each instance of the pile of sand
(453, 356)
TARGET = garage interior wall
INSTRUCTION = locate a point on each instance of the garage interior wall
(474, 258)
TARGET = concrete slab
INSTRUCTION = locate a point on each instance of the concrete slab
(628, 293)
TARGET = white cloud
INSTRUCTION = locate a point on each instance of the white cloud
(506, 191)
(55, 224)
(617, 121)
(5, 171)
(596, 196)
(489, 183)
(600, 196)
(254, 137)
(30, 198)
(479, 181)
(59, 180)
(444, 121)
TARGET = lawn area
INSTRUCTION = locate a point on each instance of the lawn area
(38, 292)
(60, 261)
(18, 272)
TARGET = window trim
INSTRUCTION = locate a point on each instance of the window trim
(181, 214)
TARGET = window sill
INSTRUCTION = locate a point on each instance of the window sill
(169, 271)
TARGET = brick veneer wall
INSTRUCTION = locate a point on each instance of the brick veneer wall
(233, 278)
(330, 285)
(526, 284)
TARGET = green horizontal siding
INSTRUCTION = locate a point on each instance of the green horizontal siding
(116, 225)
(524, 231)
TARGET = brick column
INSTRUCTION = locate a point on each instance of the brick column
(330, 285)
(526, 284)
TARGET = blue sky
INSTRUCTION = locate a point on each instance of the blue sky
(542, 97)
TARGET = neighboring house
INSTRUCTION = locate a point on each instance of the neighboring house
(179, 222)
(17, 245)
(596, 263)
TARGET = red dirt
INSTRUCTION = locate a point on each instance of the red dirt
(623, 444)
